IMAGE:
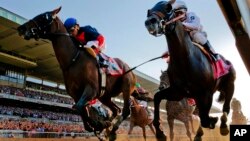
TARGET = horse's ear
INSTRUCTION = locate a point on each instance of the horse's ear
(172, 1)
(56, 11)
(149, 13)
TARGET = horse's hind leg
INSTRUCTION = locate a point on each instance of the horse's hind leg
(186, 123)
(228, 90)
(199, 134)
(171, 127)
(131, 126)
(152, 128)
(144, 133)
(191, 123)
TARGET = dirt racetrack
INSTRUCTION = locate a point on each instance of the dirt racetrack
(209, 135)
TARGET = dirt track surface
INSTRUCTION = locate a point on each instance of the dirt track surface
(208, 136)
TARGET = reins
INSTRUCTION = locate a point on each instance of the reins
(77, 52)
(142, 64)
(166, 23)
(175, 19)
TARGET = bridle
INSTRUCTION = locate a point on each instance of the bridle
(42, 30)
(164, 23)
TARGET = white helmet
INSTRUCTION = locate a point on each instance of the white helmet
(179, 5)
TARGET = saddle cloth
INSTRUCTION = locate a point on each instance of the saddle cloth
(220, 67)
(113, 68)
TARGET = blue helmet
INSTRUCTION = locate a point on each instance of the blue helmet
(70, 22)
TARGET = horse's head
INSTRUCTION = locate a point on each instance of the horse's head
(159, 17)
(39, 26)
(164, 80)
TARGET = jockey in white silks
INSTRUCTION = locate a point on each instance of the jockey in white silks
(192, 25)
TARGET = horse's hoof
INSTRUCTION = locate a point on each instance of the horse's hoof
(197, 138)
(224, 131)
(210, 123)
(160, 136)
(112, 137)
(205, 124)
(213, 121)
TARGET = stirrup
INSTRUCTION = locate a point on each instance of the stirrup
(214, 56)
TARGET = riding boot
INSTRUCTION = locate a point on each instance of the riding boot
(102, 62)
(207, 46)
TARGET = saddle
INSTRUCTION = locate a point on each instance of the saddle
(112, 69)
(220, 66)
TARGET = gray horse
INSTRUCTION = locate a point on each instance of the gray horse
(181, 110)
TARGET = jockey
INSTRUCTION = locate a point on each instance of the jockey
(142, 99)
(191, 23)
(88, 36)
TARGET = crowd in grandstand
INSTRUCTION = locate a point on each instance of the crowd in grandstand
(36, 94)
(36, 122)
(32, 113)
(33, 127)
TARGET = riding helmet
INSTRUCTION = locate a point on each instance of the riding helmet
(70, 22)
(179, 6)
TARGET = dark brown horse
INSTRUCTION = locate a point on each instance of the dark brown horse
(139, 117)
(190, 71)
(81, 72)
(180, 110)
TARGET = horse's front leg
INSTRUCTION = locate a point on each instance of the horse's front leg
(89, 124)
(156, 122)
(204, 103)
(83, 110)
(118, 120)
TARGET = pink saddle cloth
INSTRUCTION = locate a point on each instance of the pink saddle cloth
(220, 68)
(113, 68)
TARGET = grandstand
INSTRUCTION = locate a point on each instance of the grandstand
(32, 94)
